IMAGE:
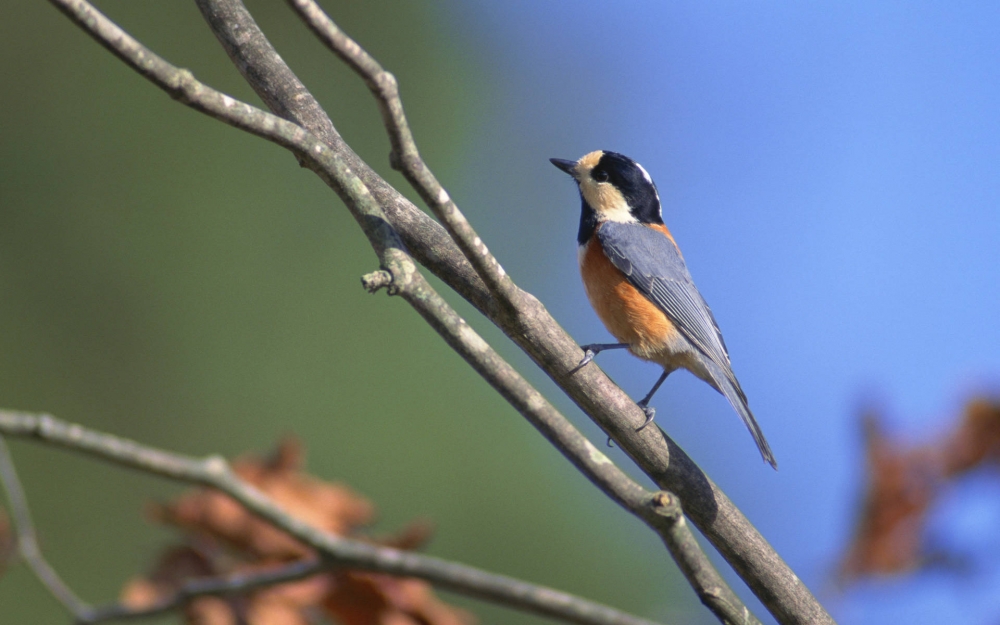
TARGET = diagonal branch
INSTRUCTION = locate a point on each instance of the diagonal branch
(405, 156)
(27, 539)
(214, 472)
(408, 282)
(555, 352)
(660, 511)
(286, 96)
(531, 327)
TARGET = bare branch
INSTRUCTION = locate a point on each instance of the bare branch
(661, 511)
(405, 156)
(405, 278)
(694, 564)
(531, 327)
(214, 472)
(209, 586)
(27, 538)
(552, 349)
(286, 96)
(787, 589)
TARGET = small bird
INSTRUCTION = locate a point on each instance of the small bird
(639, 285)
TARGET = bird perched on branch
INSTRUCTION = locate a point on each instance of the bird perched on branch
(638, 284)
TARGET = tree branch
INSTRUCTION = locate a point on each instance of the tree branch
(405, 156)
(410, 284)
(660, 511)
(214, 472)
(275, 83)
(27, 545)
(541, 337)
(531, 327)
(210, 586)
(27, 538)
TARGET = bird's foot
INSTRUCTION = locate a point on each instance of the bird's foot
(593, 349)
(588, 355)
(650, 414)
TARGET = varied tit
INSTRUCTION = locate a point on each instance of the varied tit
(638, 284)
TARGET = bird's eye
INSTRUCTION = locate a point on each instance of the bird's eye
(599, 175)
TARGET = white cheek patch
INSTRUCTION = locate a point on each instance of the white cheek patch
(608, 202)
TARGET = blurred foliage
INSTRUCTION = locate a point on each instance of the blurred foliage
(167, 278)
(220, 538)
(907, 483)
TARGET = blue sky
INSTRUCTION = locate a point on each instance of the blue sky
(832, 173)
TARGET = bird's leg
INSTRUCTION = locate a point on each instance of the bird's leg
(644, 404)
(589, 351)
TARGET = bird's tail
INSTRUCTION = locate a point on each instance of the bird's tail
(726, 384)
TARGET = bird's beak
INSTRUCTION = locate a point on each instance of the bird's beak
(567, 166)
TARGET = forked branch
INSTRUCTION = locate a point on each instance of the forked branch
(27, 538)
(316, 143)
(405, 156)
(534, 330)
(335, 551)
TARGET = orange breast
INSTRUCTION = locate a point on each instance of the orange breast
(626, 312)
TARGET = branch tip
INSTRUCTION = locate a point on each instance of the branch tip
(666, 504)
(506, 305)
(215, 465)
(376, 280)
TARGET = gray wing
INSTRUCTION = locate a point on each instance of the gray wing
(652, 263)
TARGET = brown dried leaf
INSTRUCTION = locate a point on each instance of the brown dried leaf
(210, 611)
(357, 598)
(976, 440)
(413, 536)
(331, 507)
(175, 565)
(901, 486)
(213, 519)
(376, 599)
(288, 604)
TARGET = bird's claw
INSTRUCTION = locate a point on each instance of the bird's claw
(650, 414)
(588, 355)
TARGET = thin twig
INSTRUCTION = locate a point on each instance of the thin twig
(281, 90)
(182, 85)
(384, 87)
(27, 538)
(405, 277)
(661, 511)
(532, 328)
(214, 472)
(713, 591)
(405, 156)
(539, 335)
(209, 586)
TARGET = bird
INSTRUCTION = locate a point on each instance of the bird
(639, 285)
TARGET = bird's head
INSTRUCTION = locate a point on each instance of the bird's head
(614, 187)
